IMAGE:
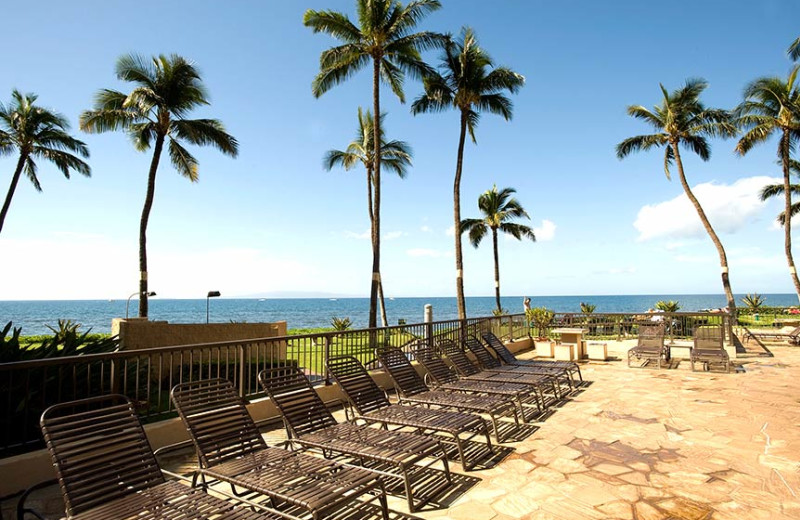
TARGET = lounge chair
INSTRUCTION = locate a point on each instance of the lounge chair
(559, 375)
(468, 371)
(444, 378)
(650, 345)
(230, 449)
(370, 404)
(107, 471)
(411, 388)
(310, 425)
(792, 336)
(510, 359)
(708, 349)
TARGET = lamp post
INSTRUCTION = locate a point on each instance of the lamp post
(128, 303)
(211, 294)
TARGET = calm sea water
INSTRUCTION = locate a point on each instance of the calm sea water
(34, 316)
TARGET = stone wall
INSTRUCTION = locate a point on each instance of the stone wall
(137, 334)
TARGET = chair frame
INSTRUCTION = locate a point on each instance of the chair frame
(793, 336)
(509, 358)
(650, 345)
(708, 348)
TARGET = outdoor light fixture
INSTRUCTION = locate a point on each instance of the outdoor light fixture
(128, 303)
(211, 294)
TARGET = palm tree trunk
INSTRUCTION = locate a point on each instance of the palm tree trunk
(381, 302)
(787, 212)
(496, 270)
(376, 227)
(148, 205)
(723, 259)
(11, 189)
(462, 307)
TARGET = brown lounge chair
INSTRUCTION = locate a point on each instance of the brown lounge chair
(310, 425)
(560, 376)
(708, 349)
(411, 388)
(107, 471)
(650, 345)
(468, 371)
(792, 336)
(231, 449)
(445, 379)
(510, 359)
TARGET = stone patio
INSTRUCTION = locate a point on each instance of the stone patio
(645, 444)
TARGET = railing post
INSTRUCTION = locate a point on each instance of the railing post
(241, 370)
(327, 357)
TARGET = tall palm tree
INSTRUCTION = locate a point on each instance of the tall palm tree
(383, 36)
(775, 190)
(396, 157)
(499, 208)
(682, 119)
(166, 90)
(468, 83)
(771, 106)
(36, 133)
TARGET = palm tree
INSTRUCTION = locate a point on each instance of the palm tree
(384, 36)
(794, 50)
(467, 84)
(499, 208)
(396, 156)
(682, 119)
(36, 133)
(771, 106)
(775, 190)
(167, 89)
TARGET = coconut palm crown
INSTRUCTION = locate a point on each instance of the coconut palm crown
(36, 133)
(468, 82)
(499, 209)
(682, 120)
(771, 107)
(396, 158)
(167, 89)
(384, 36)
(776, 190)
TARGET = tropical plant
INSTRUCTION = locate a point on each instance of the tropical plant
(466, 83)
(771, 106)
(499, 208)
(753, 301)
(542, 318)
(167, 89)
(682, 119)
(384, 36)
(588, 308)
(35, 132)
(340, 323)
(396, 156)
(794, 50)
(668, 306)
(65, 341)
(499, 312)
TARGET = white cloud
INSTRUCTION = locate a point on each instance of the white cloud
(451, 231)
(392, 235)
(429, 253)
(728, 207)
(426, 229)
(672, 246)
(358, 236)
(545, 232)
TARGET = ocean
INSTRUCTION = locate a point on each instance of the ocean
(299, 313)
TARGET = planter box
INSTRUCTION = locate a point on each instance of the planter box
(565, 351)
(597, 350)
(544, 349)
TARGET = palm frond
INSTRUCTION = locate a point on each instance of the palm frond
(640, 143)
(339, 158)
(333, 23)
(63, 161)
(393, 76)
(205, 132)
(30, 173)
(339, 72)
(183, 161)
(518, 231)
(476, 229)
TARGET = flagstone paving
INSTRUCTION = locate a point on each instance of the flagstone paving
(646, 444)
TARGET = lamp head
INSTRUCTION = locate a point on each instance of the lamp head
(213, 294)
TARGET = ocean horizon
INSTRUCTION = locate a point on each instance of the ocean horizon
(35, 315)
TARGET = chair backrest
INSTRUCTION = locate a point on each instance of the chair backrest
(402, 372)
(433, 363)
(481, 354)
(361, 390)
(301, 407)
(500, 349)
(651, 329)
(218, 422)
(708, 337)
(99, 450)
(651, 336)
(460, 361)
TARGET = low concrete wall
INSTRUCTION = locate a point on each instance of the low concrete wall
(137, 334)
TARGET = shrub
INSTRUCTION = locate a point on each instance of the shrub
(753, 301)
(542, 318)
(340, 323)
(668, 306)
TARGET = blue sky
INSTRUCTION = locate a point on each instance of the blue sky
(274, 221)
